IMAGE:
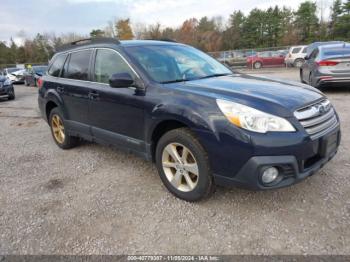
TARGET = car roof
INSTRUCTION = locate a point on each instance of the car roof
(110, 42)
(146, 42)
(344, 45)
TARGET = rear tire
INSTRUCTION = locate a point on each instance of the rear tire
(183, 165)
(59, 132)
(257, 65)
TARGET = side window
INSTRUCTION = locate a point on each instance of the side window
(296, 50)
(304, 50)
(78, 66)
(314, 54)
(57, 64)
(108, 63)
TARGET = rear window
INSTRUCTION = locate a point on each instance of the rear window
(57, 64)
(78, 67)
(296, 50)
(337, 52)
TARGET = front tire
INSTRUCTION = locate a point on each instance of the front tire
(59, 131)
(11, 95)
(257, 65)
(183, 165)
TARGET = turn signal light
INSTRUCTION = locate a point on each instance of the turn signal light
(327, 63)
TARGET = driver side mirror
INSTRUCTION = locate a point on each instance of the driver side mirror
(307, 58)
(120, 80)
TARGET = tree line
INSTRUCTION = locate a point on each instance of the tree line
(275, 26)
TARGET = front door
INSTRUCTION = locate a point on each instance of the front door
(116, 115)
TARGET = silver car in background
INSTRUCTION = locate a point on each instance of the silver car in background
(327, 65)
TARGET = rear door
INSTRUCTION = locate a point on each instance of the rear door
(73, 86)
(309, 65)
(116, 115)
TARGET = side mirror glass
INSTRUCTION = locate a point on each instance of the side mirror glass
(120, 80)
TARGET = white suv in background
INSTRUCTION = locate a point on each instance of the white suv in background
(296, 56)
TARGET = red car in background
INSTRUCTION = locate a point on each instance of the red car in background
(268, 58)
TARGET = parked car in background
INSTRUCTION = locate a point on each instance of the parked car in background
(32, 74)
(313, 46)
(199, 122)
(327, 65)
(296, 56)
(15, 74)
(267, 58)
(6, 88)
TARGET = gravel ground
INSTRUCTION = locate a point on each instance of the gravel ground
(98, 200)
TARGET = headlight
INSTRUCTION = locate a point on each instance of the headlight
(252, 119)
(7, 82)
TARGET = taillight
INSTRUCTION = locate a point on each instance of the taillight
(40, 82)
(327, 63)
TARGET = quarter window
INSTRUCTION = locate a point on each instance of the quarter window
(78, 67)
(108, 63)
(57, 64)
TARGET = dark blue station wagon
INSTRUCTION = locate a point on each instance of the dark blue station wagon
(202, 124)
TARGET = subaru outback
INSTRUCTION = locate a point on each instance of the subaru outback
(201, 123)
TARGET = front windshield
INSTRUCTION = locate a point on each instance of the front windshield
(174, 63)
(11, 70)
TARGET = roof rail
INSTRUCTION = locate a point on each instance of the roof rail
(87, 41)
(163, 39)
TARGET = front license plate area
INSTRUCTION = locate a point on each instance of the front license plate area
(329, 144)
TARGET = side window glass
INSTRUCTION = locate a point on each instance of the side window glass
(78, 66)
(296, 50)
(304, 50)
(108, 63)
(314, 54)
(57, 64)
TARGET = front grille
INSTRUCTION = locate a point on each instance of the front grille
(317, 118)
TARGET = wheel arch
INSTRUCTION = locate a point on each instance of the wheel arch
(53, 100)
(160, 129)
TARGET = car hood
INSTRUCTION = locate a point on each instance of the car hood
(265, 93)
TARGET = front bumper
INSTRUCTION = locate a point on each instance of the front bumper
(292, 168)
(4, 91)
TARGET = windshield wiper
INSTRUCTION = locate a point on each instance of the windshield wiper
(174, 81)
(214, 75)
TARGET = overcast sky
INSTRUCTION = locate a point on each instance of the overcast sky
(81, 16)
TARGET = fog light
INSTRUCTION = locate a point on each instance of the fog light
(270, 174)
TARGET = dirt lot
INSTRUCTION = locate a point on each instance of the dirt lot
(98, 200)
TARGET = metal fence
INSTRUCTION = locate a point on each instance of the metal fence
(239, 58)
(19, 66)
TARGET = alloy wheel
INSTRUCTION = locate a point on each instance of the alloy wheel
(58, 128)
(180, 167)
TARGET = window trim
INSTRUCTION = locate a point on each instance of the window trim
(68, 59)
(115, 51)
(53, 61)
(91, 64)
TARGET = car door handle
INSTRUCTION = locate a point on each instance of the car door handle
(93, 95)
(60, 89)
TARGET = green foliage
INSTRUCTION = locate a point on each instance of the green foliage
(97, 33)
(306, 22)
